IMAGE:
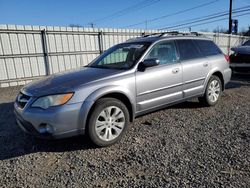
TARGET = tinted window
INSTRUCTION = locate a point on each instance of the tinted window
(188, 50)
(208, 47)
(247, 43)
(164, 51)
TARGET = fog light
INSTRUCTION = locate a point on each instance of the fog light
(45, 128)
(49, 129)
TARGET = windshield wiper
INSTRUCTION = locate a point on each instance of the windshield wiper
(106, 67)
(99, 66)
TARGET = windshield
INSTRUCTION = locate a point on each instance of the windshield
(247, 43)
(121, 56)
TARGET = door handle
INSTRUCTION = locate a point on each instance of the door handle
(176, 70)
(205, 64)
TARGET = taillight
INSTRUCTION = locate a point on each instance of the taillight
(226, 57)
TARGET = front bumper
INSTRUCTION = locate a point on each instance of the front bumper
(55, 122)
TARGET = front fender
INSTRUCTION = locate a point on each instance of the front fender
(110, 89)
(94, 96)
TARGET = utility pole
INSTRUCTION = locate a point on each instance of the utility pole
(230, 17)
(92, 24)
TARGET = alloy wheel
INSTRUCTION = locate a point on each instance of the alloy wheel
(214, 91)
(110, 123)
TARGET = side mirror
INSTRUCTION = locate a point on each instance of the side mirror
(151, 62)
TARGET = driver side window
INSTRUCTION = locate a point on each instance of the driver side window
(165, 52)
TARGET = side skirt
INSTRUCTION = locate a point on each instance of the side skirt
(144, 112)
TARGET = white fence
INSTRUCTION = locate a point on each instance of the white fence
(31, 52)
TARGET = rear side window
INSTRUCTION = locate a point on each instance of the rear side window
(188, 50)
(207, 47)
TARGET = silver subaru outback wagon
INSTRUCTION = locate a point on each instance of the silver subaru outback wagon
(129, 79)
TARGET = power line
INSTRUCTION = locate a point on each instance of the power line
(173, 14)
(208, 17)
(214, 14)
(193, 19)
(204, 19)
(214, 21)
(127, 10)
(210, 21)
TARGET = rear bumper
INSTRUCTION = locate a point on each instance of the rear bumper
(227, 75)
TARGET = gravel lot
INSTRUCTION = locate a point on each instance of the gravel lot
(186, 145)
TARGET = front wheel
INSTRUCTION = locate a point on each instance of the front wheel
(213, 91)
(108, 121)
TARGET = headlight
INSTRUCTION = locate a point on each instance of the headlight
(52, 100)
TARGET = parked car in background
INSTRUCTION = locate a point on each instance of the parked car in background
(240, 58)
(130, 79)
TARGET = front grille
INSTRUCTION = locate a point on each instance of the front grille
(22, 100)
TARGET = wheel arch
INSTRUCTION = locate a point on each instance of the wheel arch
(119, 96)
(117, 92)
(220, 76)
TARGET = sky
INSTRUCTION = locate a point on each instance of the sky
(119, 13)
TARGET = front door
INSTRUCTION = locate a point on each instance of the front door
(161, 84)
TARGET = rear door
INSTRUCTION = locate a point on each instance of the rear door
(161, 84)
(195, 67)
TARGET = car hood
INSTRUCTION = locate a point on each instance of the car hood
(242, 50)
(67, 81)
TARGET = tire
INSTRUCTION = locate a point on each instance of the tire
(213, 92)
(108, 122)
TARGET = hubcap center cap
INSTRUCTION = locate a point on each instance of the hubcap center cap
(109, 122)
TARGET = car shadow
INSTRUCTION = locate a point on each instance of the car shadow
(188, 105)
(14, 142)
(239, 80)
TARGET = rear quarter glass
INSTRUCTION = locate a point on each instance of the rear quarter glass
(207, 47)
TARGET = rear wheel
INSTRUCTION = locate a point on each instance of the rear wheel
(108, 122)
(213, 91)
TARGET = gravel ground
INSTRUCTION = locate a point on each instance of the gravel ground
(185, 145)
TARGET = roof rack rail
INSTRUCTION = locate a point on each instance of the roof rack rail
(196, 33)
(169, 33)
(150, 35)
(173, 33)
